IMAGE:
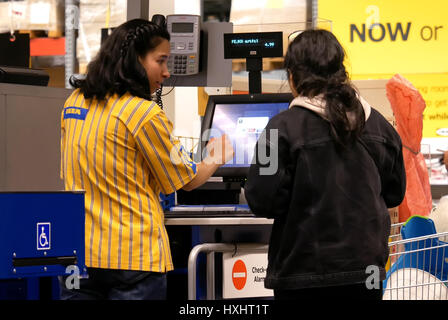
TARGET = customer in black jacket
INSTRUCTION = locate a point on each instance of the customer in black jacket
(339, 167)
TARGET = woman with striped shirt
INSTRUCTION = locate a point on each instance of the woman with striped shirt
(116, 144)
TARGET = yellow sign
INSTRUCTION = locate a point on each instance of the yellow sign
(384, 36)
(434, 90)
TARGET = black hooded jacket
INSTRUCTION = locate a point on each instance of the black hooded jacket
(329, 204)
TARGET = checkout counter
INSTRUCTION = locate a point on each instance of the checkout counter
(30, 129)
(213, 236)
(201, 234)
(215, 219)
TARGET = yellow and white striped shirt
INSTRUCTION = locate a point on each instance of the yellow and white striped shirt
(121, 152)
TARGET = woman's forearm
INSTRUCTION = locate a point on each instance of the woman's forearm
(205, 169)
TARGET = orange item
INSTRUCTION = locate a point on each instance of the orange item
(47, 47)
(408, 105)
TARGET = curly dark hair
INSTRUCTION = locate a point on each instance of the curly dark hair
(116, 67)
(315, 60)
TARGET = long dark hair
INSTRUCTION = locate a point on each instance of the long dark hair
(116, 67)
(315, 59)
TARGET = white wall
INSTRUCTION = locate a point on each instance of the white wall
(181, 105)
(186, 120)
(187, 6)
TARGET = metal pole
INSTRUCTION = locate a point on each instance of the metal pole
(137, 9)
(254, 66)
(211, 275)
(192, 259)
(212, 248)
(71, 25)
(314, 13)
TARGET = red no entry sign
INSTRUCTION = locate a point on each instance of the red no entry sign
(239, 274)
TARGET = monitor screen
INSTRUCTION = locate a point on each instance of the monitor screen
(243, 118)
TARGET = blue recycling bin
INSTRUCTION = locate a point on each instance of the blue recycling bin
(41, 233)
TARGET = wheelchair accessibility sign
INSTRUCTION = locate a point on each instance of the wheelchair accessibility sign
(43, 236)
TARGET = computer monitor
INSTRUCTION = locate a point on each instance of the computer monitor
(242, 118)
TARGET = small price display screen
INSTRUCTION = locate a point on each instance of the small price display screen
(246, 45)
(254, 42)
(182, 27)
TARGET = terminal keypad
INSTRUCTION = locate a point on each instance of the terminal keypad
(182, 64)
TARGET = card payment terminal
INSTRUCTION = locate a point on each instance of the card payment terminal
(185, 32)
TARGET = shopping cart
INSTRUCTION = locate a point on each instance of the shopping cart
(418, 262)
